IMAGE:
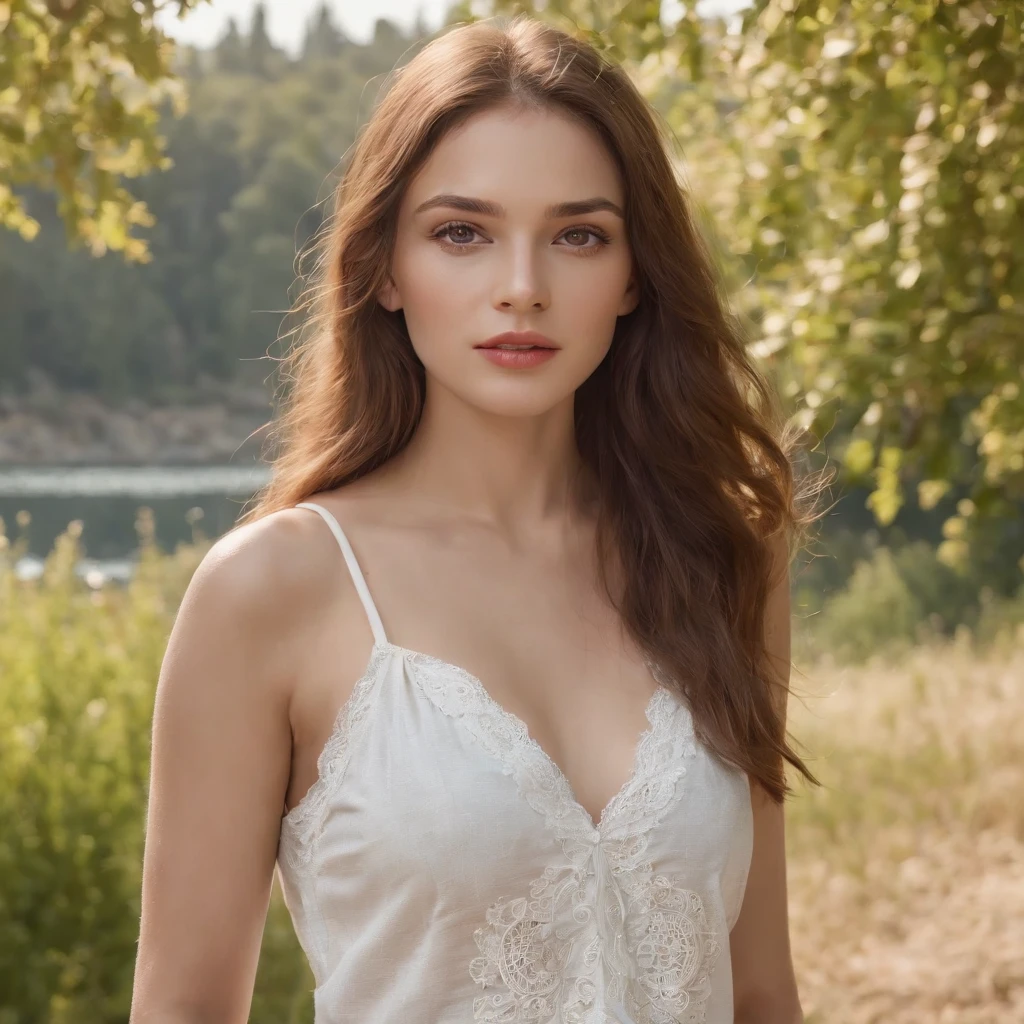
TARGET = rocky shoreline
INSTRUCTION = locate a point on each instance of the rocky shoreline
(219, 424)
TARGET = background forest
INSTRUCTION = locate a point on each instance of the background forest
(858, 167)
(253, 159)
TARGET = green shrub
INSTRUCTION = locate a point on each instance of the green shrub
(876, 612)
(78, 669)
(1001, 620)
(896, 598)
(947, 598)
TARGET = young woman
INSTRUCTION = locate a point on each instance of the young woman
(495, 671)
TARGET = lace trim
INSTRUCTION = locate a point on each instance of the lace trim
(658, 762)
(459, 694)
(302, 826)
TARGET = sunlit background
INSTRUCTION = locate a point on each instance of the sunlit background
(857, 167)
(287, 19)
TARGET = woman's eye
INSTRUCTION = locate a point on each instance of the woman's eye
(579, 232)
(458, 235)
(449, 229)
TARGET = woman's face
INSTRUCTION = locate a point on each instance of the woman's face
(464, 275)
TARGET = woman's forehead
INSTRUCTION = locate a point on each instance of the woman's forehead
(520, 160)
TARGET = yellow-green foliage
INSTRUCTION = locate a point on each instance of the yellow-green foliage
(78, 670)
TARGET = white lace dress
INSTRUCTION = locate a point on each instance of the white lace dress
(441, 870)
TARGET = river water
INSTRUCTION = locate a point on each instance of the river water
(107, 500)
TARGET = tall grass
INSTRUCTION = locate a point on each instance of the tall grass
(906, 869)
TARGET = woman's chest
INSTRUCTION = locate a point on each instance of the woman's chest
(430, 766)
(580, 691)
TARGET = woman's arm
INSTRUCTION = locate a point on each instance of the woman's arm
(764, 982)
(221, 754)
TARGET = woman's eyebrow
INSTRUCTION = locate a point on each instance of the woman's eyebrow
(486, 208)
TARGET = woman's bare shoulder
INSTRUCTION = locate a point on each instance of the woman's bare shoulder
(276, 577)
(278, 565)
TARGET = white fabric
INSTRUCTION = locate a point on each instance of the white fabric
(441, 871)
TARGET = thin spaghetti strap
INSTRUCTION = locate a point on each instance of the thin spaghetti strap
(353, 567)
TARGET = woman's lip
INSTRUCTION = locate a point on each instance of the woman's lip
(517, 359)
(518, 338)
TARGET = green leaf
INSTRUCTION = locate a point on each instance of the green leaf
(859, 456)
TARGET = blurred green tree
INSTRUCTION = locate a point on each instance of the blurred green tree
(254, 162)
(81, 86)
(864, 160)
(323, 37)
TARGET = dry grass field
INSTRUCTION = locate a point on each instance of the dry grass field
(906, 868)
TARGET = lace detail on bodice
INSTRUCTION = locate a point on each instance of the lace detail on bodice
(601, 925)
(564, 954)
(503, 735)
(302, 825)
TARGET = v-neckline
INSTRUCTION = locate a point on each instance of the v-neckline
(519, 726)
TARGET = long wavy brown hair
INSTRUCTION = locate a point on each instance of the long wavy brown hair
(692, 458)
